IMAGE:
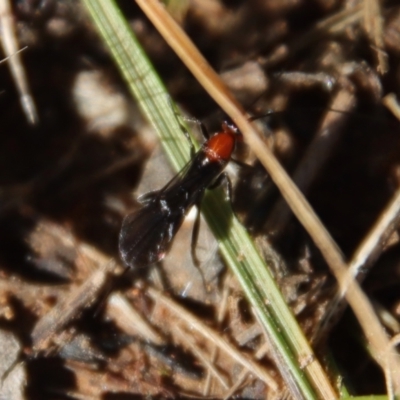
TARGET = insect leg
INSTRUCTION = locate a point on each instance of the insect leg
(195, 237)
(223, 179)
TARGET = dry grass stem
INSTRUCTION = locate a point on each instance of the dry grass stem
(11, 49)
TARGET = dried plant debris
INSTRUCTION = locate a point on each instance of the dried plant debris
(13, 372)
(74, 323)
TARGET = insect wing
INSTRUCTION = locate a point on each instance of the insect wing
(180, 176)
(145, 236)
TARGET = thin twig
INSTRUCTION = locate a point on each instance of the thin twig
(10, 46)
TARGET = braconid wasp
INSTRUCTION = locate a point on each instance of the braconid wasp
(146, 234)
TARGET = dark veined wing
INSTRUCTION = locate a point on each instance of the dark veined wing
(146, 235)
